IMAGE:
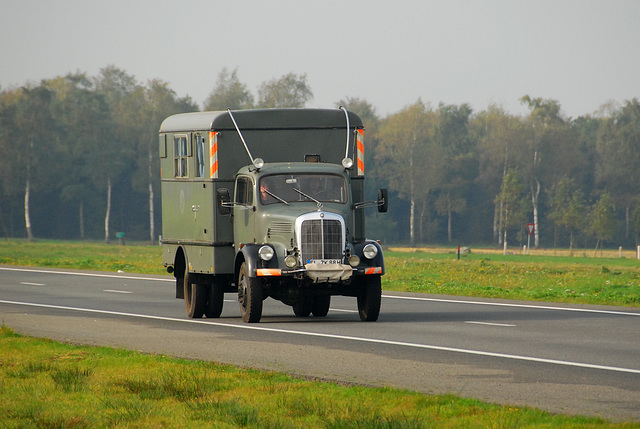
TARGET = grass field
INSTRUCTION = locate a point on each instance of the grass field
(44, 384)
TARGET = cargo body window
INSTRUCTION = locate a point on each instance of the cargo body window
(244, 191)
(199, 152)
(180, 156)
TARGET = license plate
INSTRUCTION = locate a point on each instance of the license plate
(324, 261)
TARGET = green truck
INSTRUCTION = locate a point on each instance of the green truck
(268, 203)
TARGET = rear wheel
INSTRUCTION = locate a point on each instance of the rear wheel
(215, 301)
(195, 296)
(369, 298)
(249, 296)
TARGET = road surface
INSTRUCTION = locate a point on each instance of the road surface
(565, 359)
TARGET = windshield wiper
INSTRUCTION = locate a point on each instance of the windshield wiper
(275, 196)
(310, 197)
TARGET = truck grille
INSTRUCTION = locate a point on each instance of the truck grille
(321, 239)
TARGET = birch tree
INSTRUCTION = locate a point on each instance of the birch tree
(407, 156)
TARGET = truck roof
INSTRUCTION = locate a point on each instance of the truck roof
(261, 119)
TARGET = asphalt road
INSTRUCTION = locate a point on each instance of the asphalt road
(564, 359)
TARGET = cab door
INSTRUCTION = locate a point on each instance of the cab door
(244, 211)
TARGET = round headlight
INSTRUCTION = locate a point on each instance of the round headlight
(354, 261)
(266, 253)
(258, 163)
(370, 251)
(347, 163)
(290, 261)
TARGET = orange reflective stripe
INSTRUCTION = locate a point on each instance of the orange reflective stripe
(213, 154)
(360, 154)
(374, 270)
(263, 272)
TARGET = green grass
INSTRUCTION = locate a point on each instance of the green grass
(613, 281)
(83, 256)
(45, 384)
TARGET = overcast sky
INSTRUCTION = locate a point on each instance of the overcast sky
(583, 53)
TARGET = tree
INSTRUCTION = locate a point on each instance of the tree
(85, 123)
(410, 156)
(499, 140)
(33, 121)
(602, 220)
(229, 93)
(458, 162)
(512, 203)
(567, 207)
(290, 90)
(618, 157)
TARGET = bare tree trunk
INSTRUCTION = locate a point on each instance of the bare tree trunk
(535, 194)
(152, 226)
(450, 225)
(412, 197)
(108, 214)
(27, 215)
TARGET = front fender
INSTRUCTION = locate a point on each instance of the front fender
(378, 261)
(249, 254)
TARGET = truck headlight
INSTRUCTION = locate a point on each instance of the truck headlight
(370, 251)
(354, 261)
(266, 253)
(290, 261)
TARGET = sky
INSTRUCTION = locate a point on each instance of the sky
(582, 53)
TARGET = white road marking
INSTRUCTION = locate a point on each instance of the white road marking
(116, 291)
(32, 284)
(505, 304)
(335, 336)
(71, 273)
(490, 324)
(339, 310)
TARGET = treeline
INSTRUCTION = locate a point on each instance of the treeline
(79, 160)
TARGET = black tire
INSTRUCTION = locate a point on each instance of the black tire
(249, 296)
(303, 307)
(321, 305)
(215, 301)
(196, 296)
(369, 298)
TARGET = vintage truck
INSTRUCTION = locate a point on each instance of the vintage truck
(287, 224)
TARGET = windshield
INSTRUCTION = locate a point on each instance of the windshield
(288, 188)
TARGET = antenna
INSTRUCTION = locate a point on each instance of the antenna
(346, 162)
(258, 162)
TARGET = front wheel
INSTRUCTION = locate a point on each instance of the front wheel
(321, 305)
(369, 298)
(249, 296)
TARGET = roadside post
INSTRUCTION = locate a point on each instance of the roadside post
(530, 228)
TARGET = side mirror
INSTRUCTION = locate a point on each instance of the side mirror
(223, 198)
(383, 200)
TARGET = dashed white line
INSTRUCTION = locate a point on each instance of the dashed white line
(489, 324)
(116, 291)
(32, 284)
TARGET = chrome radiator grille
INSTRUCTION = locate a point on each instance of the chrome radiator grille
(321, 239)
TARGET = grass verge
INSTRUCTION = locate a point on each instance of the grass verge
(46, 384)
